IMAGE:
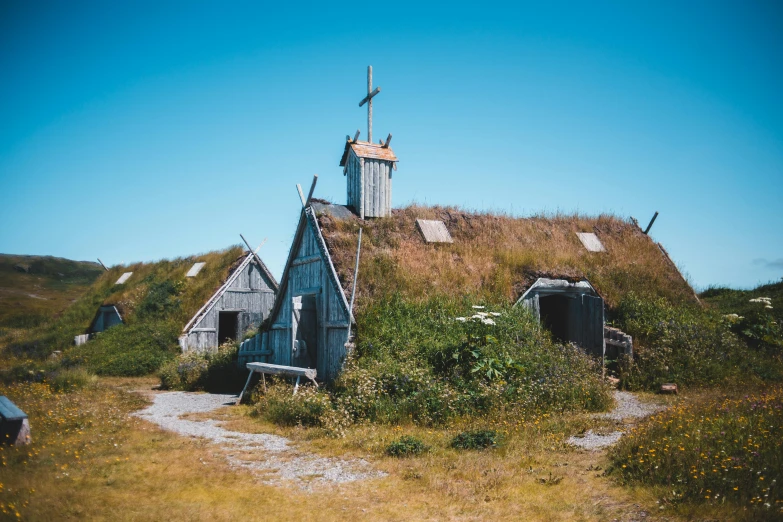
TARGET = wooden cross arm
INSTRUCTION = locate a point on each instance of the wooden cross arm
(369, 96)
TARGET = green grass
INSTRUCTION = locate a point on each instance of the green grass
(432, 363)
(35, 288)
(690, 346)
(155, 305)
(759, 323)
(721, 450)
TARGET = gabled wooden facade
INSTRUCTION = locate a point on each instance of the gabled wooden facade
(308, 325)
(241, 303)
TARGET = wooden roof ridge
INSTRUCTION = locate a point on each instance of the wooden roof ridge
(308, 216)
(250, 257)
(365, 149)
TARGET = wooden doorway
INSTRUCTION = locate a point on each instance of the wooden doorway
(228, 326)
(304, 331)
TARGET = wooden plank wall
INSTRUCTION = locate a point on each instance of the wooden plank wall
(308, 274)
(250, 292)
(369, 186)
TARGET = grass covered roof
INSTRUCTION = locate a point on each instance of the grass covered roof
(182, 296)
(495, 257)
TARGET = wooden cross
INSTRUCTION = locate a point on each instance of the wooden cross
(368, 100)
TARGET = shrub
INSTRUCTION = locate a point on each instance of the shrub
(475, 440)
(421, 361)
(723, 450)
(309, 407)
(127, 349)
(686, 345)
(210, 371)
(406, 446)
(70, 379)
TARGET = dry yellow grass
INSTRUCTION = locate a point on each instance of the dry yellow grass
(90, 461)
(497, 257)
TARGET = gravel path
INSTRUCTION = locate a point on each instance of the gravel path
(271, 457)
(628, 407)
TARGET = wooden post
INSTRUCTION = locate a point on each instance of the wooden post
(355, 278)
(104, 266)
(368, 100)
(258, 259)
(301, 195)
(369, 104)
(651, 223)
(239, 400)
(312, 189)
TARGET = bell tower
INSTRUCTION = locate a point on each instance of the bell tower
(368, 167)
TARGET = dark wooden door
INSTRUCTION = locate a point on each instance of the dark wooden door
(593, 325)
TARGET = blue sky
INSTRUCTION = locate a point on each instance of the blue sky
(145, 130)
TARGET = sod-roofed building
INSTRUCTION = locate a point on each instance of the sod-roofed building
(565, 269)
(214, 297)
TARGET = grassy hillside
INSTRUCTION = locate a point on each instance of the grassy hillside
(35, 288)
(756, 315)
(155, 304)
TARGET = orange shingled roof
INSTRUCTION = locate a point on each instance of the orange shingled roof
(364, 149)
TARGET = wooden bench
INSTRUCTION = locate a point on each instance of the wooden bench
(14, 426)
(277, 369)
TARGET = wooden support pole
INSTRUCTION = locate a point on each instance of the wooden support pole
(356, 136)
(301, 195)
(104, 266)
(388, 140)
(355, 278)
(312, 189)
(646, 230)
(239, 400)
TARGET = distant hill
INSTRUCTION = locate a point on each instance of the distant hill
(36, 288)
(728, 300)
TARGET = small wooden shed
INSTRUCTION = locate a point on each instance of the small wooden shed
(418, 252)
(241, 303)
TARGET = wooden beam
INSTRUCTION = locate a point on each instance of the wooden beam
(301, 195)
(369, 96)
(312, 189)
(255, 255)
(388, 140)
(356, 136)
(104, 266)
(646, 230)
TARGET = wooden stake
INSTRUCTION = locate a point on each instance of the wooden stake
(651, 223)
(301, 195)
(104, 266)
(388, 140)
(312, 189)
(356, 136)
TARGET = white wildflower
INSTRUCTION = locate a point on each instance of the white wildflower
(765, 300)
(487, 321)
(461, 319)
(496, 314)
(477, 307)
(769, 307)
(477, 316)
(482, 314)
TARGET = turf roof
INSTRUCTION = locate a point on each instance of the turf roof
(495, 257)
